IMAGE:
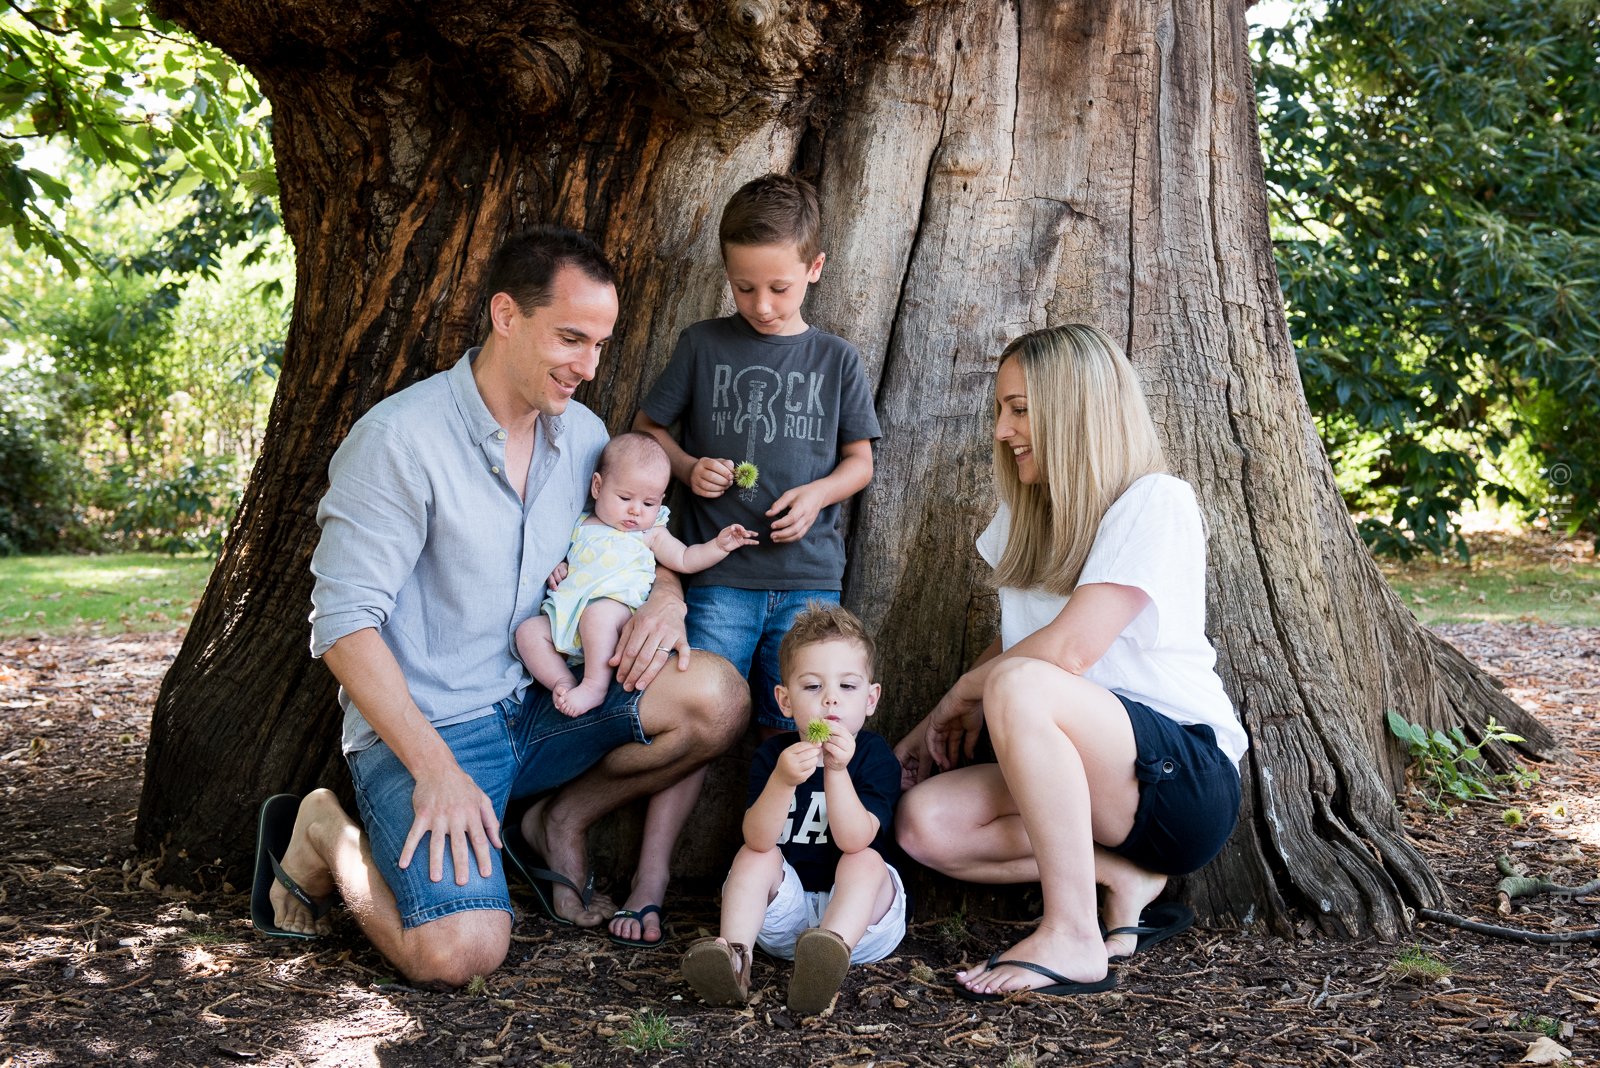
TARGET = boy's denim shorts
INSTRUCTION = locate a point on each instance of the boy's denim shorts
(1188, 794)
(745, 627)
(517, 750)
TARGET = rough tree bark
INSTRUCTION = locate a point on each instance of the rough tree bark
(986, 168)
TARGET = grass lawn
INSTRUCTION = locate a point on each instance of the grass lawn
(1520, 577)
(110, 594)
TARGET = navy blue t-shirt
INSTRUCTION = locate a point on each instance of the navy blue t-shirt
(806, 840)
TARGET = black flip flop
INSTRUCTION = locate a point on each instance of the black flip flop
(274, 828)
(1157, 923)
(520, 857)
(629, 914)
(1060, 986)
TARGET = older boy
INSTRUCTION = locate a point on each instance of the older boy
(810, 882)
(760, 388)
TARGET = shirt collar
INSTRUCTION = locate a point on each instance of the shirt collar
(481, 426)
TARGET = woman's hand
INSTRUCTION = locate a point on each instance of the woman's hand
(953, 728)
(916, 763)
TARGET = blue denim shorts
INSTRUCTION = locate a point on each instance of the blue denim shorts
(517, 750)
(745, 627)
(1188, 794)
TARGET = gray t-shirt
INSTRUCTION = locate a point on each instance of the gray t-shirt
(785, 404)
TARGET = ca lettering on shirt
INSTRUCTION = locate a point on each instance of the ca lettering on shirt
(813, 830)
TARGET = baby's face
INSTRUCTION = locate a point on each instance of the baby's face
(629, 496)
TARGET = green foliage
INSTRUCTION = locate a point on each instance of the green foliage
(649, 1032)
(1417, 963)
(133, 92)
(37, 473)
(1435, 174)
(1447, 762)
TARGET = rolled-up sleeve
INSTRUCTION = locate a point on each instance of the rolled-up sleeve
(374, 521)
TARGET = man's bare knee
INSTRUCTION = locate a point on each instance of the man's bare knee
(448, 952)
(710, 703)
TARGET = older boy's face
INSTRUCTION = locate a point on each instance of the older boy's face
(769, 285)
(829, 681)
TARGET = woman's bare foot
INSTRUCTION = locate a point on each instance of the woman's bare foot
(576, 700)
(1129, 888)
(319, 813)
(1078, 957)
(564, 853)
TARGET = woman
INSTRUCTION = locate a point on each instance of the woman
(1117, 748)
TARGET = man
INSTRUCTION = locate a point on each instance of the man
(449, 506)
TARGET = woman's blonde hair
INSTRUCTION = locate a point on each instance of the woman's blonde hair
(1092, 438)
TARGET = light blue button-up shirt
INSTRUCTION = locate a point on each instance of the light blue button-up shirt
(425, 539)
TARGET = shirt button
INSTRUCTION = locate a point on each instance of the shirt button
(495, 470)
(500, 435)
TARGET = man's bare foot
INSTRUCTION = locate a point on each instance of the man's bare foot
(645, 891)
(576, 700)
(1081, 959)
(564, 853)
(1129, 888)
(319, 812)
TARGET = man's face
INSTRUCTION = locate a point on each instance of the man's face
(556, 347)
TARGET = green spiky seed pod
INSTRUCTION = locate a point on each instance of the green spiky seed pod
(745, 475)
(818, 731)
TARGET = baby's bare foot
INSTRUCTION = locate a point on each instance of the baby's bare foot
(582, 697)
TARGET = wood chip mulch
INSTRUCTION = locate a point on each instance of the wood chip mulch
(99, 964)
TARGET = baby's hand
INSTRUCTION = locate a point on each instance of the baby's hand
(711, 477)
(557, 575)
(733, 536)
(838, 749)
(797, 763)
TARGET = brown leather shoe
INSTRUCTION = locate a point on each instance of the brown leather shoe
(820, 960)
(718, 971)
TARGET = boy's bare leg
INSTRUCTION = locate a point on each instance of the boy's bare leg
(689, 716)
(753, 881)
(328, 851)
(537, 648)
(862, 895)
(599, 626)
(664, 819)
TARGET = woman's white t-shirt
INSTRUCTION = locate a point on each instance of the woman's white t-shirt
(1150, 538)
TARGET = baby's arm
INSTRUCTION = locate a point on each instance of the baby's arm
(803, 502)
(852, 826)
(764, 820)
(688, 559)
(708, 476)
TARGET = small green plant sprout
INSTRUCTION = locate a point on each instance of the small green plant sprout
(1512, 817)
(1414, 962)
(1447, 762)
(476, 987)
(649, 1032)
(953, 928)
(818, 731)
(745, 475)
(1541, 1025)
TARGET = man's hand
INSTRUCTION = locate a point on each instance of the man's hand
(802, 504)
(450, 807)
(557, 575)
(838, 749)
(711, 477)
(733, 536)
(647, 639)
(797, 763)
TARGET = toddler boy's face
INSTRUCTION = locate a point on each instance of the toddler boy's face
(629, 497)
(829, 681)
(769, 285)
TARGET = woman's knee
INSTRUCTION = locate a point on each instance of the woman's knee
(1017, 694)
(921, 828)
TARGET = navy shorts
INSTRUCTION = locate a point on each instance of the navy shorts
(1188, 794)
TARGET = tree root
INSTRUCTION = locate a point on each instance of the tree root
(1591, 934)
(1515, 885)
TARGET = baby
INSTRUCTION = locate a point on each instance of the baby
(610, 567)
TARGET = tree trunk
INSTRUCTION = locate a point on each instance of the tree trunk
(985, 169)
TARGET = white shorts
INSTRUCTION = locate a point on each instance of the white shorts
(796, 909)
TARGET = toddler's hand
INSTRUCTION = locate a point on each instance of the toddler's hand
(733, 536)
(797, 763)
(711, 477)
(838, 749)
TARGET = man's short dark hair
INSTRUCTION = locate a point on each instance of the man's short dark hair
(527, 264)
